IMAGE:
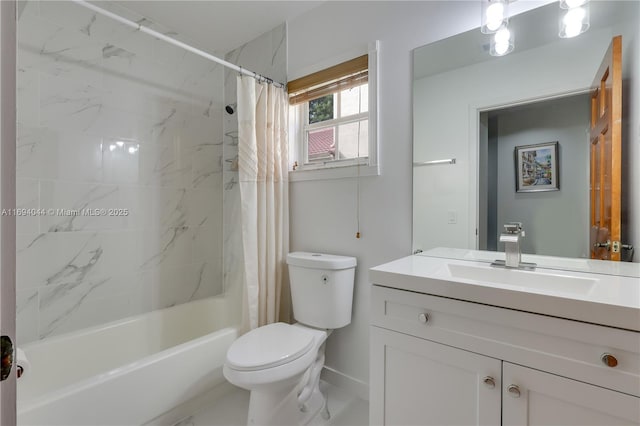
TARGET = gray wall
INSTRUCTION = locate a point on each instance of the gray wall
(556, 222)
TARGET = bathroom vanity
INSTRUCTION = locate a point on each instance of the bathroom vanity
(458, 342)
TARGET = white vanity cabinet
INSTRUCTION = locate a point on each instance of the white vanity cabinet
(441, 361)
(419, 382)
(541, 398)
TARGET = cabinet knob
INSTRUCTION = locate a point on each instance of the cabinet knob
(609, 360)
(514, 391)
(424, 318)
(489, 382)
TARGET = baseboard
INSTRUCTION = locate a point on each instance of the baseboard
(346, 382)
(190, 407)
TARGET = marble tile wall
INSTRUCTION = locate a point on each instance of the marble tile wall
(110, 118)
(266, 55)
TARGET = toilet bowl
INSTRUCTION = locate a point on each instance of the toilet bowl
(271, 362)
(279, 363)
(272, 355)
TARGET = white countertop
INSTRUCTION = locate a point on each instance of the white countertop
(627, 269)
(606, 299)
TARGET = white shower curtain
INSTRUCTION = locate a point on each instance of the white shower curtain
(264, 192)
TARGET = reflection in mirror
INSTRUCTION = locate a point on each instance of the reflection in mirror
(477, 109)
(563, 214)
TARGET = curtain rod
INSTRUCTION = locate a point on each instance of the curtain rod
(175, 42)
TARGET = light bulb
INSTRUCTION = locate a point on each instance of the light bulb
(112, 147)
(503, 36)
(574, 22)
(132, 150)
(572, 29)
(120, 144)
(502, 42)
(574, 16)
(495, 16)
(501, 47)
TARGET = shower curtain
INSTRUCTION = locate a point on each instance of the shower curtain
(264, 193)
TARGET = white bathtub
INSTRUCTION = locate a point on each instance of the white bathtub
(127, 372)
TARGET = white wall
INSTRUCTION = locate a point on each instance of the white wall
(556, 222)
(558, 67)
(323, 213)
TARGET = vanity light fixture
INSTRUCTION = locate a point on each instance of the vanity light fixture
(501, 42)
(574, 18)
(495, 15)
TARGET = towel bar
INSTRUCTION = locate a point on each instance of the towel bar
(434, 162)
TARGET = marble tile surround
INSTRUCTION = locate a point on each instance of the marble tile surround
(110, 118)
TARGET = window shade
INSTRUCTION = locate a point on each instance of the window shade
(339, 77)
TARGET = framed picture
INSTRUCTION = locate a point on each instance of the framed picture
(537, 167)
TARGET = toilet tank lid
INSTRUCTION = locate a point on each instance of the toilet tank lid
(320, 260)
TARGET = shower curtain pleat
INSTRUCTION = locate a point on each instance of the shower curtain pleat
(264, 194)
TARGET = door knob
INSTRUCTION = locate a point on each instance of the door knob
(609, 360)
(7, 357)
(489, 382)
(423, 318)
(514, 391)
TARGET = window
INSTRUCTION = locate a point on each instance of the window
(336, 126)
(333, 118)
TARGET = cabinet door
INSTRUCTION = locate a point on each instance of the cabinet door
(546, 399)
(419, 382)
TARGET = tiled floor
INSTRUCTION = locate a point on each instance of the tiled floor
(231, 410)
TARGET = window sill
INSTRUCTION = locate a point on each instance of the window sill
(333, 173)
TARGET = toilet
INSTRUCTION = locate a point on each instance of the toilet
(279, 363)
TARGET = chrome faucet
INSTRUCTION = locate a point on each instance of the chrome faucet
(511, 237)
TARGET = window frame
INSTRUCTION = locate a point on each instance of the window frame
(351, 167)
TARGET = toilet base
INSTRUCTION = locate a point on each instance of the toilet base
(292, 399)
(317, 405)
(283, 409)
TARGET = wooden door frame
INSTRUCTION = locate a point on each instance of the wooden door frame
(611, 66)
(8, 41)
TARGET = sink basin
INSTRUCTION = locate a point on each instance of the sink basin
(519, 278)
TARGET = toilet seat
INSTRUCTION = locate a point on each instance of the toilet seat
(269, 346)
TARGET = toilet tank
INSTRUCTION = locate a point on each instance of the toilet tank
(321, 288)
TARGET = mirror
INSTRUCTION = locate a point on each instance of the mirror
(470, 111)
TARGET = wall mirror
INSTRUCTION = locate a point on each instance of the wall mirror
(471, 111)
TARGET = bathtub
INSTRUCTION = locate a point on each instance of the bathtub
(126, 372)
